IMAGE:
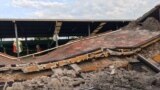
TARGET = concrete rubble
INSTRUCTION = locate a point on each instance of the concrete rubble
(60, 80)
(121, 80)
(100, 80)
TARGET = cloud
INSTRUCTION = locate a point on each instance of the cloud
(36, 4)
(86, 9)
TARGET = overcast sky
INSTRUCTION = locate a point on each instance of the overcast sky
(75, 9)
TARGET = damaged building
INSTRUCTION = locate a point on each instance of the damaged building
(81, 54)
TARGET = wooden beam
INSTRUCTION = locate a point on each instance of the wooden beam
(99, 27)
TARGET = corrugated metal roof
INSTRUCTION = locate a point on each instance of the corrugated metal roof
(46, 28)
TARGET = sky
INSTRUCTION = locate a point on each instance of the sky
(75, 9)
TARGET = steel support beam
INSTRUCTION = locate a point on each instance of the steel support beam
(3, 48)
(89, 30)
(159, 14)
(1, 45)
(26, 43)
(56, 39)
(99, 27)
(16, 34)
(151, 63)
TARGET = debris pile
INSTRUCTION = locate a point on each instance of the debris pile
(60, 80)
(121, 80)
(150, 24)
(151, 50)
